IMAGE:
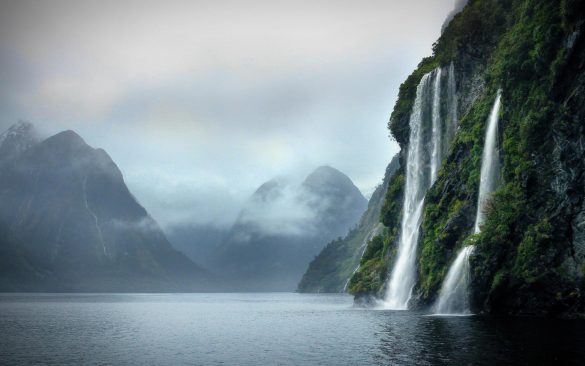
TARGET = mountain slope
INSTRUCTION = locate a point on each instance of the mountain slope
(69, 223)
(332, 268)
(529, 255)
(283, 226)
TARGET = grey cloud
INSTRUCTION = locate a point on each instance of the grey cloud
(199, 102)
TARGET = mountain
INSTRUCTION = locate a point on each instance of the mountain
(529, 254)
(331, 269)
(199, 242)
(283, 226)
(17, 139)
(69, 223)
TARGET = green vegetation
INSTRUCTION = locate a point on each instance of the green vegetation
(527, 259)
(331, 269)
(381, 250)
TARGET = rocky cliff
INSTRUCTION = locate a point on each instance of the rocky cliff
(530, 253)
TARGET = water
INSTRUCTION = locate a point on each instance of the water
(265, 329)
(451, 125)
(490, 163)
(418, 181)
(436, 150)
(454, 294)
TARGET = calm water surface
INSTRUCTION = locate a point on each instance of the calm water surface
(265, 329)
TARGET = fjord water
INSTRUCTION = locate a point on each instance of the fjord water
(454, 293)
(265, 329)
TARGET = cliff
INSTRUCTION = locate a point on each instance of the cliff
(530, 253)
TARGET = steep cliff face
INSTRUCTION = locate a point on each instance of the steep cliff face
(69, 223)
(330, 270)
(529, 256)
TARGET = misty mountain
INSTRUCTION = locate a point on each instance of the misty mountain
(199, 242)
(69, 223)
(283, 226)
(17, 139)
(331, 269)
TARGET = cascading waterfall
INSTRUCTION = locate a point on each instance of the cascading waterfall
(490, 163)
(403, 276)
(451, 124)
(454, 294)
(436, 151)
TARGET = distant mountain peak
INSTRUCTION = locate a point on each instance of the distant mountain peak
(18, 138)
(69, 138)
(326, 178)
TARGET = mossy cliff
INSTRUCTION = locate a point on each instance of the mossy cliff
(530, 254)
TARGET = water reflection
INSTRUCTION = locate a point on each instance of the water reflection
(408, 338)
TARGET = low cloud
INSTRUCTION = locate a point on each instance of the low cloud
(288, 211)
(199, 102)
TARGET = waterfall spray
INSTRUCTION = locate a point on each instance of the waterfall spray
(454, 296)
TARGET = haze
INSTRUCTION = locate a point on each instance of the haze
(200, 102)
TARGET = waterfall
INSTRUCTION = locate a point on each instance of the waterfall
(451, 123)
(454, 294)
(402, 278)
(436, 151)
(490, 163)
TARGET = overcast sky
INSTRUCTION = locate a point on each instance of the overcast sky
(200, 102)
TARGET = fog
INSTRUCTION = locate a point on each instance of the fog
(200, 102)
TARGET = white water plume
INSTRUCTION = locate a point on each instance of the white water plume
(490, 163)
(436, 150)
(403, 275)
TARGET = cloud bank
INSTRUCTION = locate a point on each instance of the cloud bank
(199, 102)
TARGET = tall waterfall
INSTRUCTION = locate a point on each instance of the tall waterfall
(454, 294)
(436, 151)
(490, 163)
(418, 181)
(451, 123)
